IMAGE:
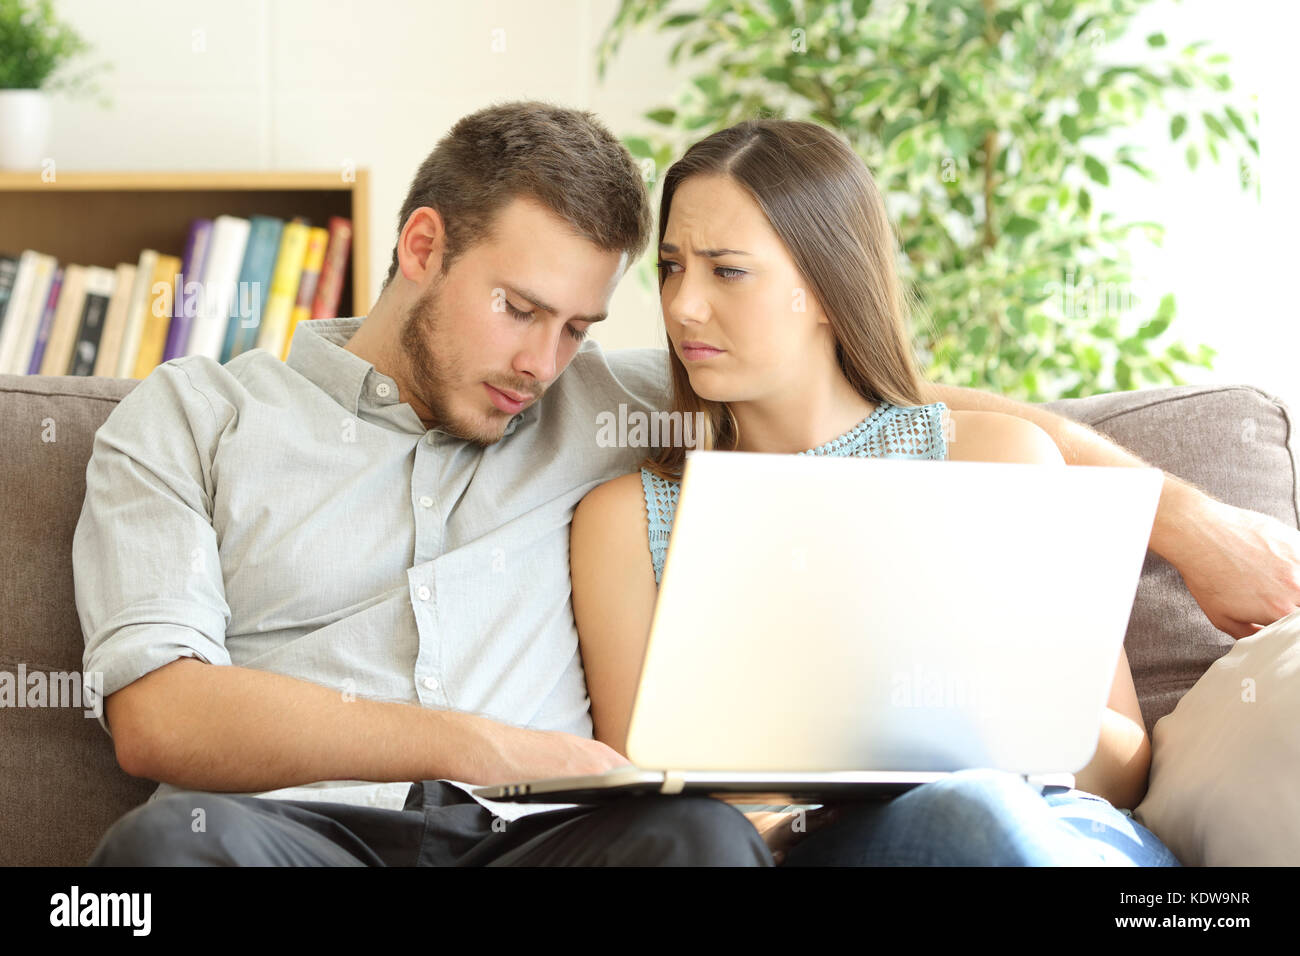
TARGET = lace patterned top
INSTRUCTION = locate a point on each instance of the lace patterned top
(890, 431)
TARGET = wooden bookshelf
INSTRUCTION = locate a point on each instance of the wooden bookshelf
(101, 219)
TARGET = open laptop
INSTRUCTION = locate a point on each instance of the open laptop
(842, 628)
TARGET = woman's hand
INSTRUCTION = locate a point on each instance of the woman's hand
(1242, 567)
(782, 830)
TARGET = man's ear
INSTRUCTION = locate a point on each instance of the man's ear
(421, 245)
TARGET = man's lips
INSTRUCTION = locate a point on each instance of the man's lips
(508, 401)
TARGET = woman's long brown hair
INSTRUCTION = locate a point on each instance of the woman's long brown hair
(823, 203)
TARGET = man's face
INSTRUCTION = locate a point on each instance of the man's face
(486, 339)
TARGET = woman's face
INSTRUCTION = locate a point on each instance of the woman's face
(729, 284)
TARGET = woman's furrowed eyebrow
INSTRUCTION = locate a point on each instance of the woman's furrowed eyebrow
(706, 253)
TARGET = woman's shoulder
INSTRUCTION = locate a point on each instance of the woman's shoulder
(997, 436)
(616, 503)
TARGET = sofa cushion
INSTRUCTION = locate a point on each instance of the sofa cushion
(1231, 441)
(60, 785)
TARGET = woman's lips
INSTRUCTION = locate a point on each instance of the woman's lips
(697, 352)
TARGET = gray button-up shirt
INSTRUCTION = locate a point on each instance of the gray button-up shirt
(298, 517)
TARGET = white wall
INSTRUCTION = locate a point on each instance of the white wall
(297, 84)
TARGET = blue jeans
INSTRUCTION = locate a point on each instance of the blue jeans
(982, 818)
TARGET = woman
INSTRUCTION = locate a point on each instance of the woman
(787, 327)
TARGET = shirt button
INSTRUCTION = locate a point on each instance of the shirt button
(431, 683)
(426, 501)
(382, 389)
(423, 592)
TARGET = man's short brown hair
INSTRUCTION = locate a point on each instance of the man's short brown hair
(564, 158)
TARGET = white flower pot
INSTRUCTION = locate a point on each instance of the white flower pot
(24, 128)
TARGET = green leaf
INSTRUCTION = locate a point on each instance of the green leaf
(1021, 226)
(680, 20)
(1177, 125)
(664, 117)
(1154, 328)
(1085, 201)
(1088, 101)
(1235, 118)
(1214, 126)
(1156, 39)
(1167, 307)
(1096, 170)
(639, 147)
(1070, 128)
(1123, 374)
(1192, 156)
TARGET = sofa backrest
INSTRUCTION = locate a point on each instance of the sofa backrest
(61, 788)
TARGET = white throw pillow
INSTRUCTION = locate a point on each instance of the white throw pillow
(1225, 769)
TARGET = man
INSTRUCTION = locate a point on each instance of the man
(308, 584)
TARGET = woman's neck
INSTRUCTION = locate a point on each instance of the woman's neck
(802, 419)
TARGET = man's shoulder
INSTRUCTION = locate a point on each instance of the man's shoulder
(606, 378)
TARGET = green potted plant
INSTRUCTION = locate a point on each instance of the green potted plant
(35, 50)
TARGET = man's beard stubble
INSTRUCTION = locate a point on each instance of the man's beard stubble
(431, 379)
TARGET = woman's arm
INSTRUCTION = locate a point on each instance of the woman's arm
(614, 595)
(1118, 770)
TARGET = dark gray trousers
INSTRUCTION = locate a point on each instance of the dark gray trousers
(440, 825)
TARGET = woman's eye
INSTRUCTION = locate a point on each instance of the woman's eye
(518, 313)
(665, 265)
(730, 273)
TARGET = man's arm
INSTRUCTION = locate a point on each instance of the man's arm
(224, 728)
(1242, 567)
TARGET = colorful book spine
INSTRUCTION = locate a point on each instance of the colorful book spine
(29, 319)
(16, 314)
(220, 277)
(67, 321)
(8, 272)
(136, 313)
(330, 287)
(99, 290)
(47, 323)
(311, 266)
(284, 286)
(246, 311)
(110, 346)
(162, 303)
(189, 289)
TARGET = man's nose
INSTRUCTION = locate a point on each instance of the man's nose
(538, 357)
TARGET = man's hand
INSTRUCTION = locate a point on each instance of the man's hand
(1242, 567)
(780, 831)
(515, 753)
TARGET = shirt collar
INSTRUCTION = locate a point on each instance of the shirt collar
(317, 353)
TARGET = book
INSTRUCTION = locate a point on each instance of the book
(99, 289)
(28, 317)
(189, 289)
(162, 303)
(220, 275)
(245, 320)
(311, 266)
(110, 345)
(67, 321)
(136, 312)
(284, 286)
(8, 272)
(330, 286)
(15, 315)
(47, 322)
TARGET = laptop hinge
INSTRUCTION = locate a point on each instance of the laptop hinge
(674, 782)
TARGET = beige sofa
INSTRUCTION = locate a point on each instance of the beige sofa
(61, 788)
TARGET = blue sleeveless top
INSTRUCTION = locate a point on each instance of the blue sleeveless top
(890, 431)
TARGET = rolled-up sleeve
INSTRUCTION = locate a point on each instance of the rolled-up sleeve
(146, 567)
